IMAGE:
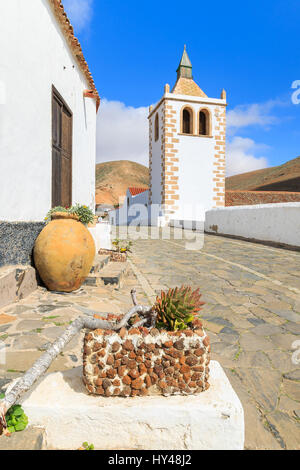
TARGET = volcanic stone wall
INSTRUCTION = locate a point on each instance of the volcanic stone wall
(247, 198)
(17, 241)
(140, 362)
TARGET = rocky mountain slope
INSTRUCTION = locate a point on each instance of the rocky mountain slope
(285, 177)
(113, 179)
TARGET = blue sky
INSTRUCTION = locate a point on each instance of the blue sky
(250, 48)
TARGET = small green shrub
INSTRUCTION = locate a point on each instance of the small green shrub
(52, 211)
(87, 446)
(84, 213)
(122, 246)
(16, 419)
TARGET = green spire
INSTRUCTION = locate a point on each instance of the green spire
(185, 66)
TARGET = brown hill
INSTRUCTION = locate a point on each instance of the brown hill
(284, 177)
(113, 179)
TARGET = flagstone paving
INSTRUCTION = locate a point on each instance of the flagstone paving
(28, 327)
(253, 318)
(252, 313)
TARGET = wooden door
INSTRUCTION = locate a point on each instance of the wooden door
(61, 152)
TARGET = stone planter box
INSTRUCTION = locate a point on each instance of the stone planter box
(139, 362)
(114, 255)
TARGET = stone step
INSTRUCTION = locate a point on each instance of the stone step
(16, 283)
(112, 274)
(99, 262)
(32, 438)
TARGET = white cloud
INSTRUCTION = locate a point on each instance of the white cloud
(122, 133)
(241, 157)
(241, 154)
(252, 114)
(80, 13)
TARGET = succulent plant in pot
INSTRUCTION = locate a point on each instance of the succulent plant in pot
(120, 251)
(177, 308)
(166, 351)
(82, 212)
(64, 251)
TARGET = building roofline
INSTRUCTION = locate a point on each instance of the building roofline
(135, 190)
(187, 99)
(74, 45)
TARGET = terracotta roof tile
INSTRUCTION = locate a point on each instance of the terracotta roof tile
(74, 45)
(187, 86)
(134, 191)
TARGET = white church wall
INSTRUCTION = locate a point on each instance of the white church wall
(156, 168)
(196, 156)
(35, 57)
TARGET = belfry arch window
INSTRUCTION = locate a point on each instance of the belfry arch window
(156, 128)
(204, 122)
(187, 121)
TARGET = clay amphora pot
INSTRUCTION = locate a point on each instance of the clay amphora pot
(64, 253)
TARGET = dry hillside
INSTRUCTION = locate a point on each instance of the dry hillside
(113, 179)
(284, 177)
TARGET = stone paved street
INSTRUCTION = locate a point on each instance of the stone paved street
(29, 326)
(252, 313)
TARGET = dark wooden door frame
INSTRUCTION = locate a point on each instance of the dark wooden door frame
(61, 156)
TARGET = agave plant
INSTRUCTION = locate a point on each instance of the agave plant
(176, 308)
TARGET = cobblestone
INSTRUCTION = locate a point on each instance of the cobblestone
(252, 317)
(262, 313)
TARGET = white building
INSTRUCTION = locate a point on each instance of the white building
(187, 136)
(134, 210)
(48, 105)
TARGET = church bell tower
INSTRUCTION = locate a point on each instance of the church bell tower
(187, 137)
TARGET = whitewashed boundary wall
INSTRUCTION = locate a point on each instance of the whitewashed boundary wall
(273, 223)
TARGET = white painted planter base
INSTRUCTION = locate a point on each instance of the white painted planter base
(211, 420)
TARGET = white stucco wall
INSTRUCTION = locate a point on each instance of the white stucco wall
(136, 212)
(156, 168)
(196, 157)
(34, 56)
(279, 223)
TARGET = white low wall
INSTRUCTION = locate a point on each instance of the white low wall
(277, 223)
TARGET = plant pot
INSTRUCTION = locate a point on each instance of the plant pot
(64, 253)
(140, 362)
(94, 223)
